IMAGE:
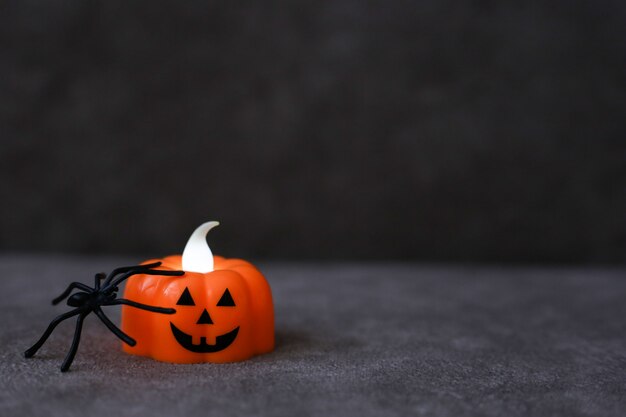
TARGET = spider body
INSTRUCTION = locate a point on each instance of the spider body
(81, 299)
(86, 299)
(90, 300)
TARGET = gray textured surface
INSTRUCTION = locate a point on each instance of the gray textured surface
(467, 130)
(353, 339)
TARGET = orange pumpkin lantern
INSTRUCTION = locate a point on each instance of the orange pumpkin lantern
(224, 310)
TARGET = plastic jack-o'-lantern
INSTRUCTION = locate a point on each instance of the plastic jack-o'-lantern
(224, 310)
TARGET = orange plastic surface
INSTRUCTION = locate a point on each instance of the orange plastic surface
(204, 332)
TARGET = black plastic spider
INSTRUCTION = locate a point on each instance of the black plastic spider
(91, 299)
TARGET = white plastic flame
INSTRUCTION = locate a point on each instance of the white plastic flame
(197, 256)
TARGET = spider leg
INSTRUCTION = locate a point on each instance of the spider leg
(34, 348)
(70, 355)
(69, 289)
(122, 269)
(146, 307)
(97, 278)
(120, 279)
(116, 331)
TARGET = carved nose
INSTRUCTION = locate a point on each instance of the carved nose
(204, 318)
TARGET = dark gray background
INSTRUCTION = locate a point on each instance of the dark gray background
(428, 130)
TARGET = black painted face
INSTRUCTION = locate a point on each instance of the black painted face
(221, 341)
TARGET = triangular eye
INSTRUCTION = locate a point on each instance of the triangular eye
(226, 300)
(185, 299)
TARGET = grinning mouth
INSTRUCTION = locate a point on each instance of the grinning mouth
(221, 342)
